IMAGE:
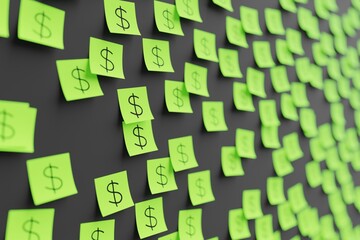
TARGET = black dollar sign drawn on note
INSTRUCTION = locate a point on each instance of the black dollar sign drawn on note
(152, 220)
(184, 157)
(204, 43)
(45, 31)
(159, 60)
(7, 131)
(191, 231)
(56, 182)
(188, 9)
(111, 189)
(177, 93)
(124, 24)
(96, 234)
(214, 119)
(163, 178)
(195, 76)
(28, 227)
(199, 185)
(138, 111)
(109, 65)
(77, 75)
(142, 140)
(169, 23)
(229, 63)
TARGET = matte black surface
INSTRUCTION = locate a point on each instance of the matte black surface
(91, 129)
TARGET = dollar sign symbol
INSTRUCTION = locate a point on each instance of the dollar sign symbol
(124, 24)
(137, 108)
(10, 132)
(191, 229)
(179, 102)
(159, 60)
(44, 32)
(136, 132)
(214, 119)
(195, 76)
(184, 157)
(50, 175)
(111, 185)
(229, 63)
(159, 172)
(97, 234)
(188, 10)
(152, 219)
(199, 185)
(28, 227)
(206, 49)
(82, 81)
(169, 24)
(105, 55)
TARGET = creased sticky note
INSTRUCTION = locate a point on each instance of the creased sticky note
(268, 113)
(270, 136)
(320, 57)
(279, 79)
(316, 79)
(313, 174)
(200, 189)
(283, 53)
(76, 80)
(282, 165)
(171, 236)
(167, 18)
(262, 54)
(238, 224)
(4, 18)
(106, 58)
(229, 63)
(245, 143)
(288, 5)
(273, 19)
(302, 66)
(308, 122)
(50, 178)
(42, 24)
(213, 116)
(231, 162)
(190, 224)
(242, 98)
(299, 96)
(297, 198)
(327, 44)
(251, 200)
(287, 219)
(177, 99)
(292, 146)
(304, 16)
(157, 55)
(150, 218)
(226, 4)
(325, 135)
(250, 20)
(182, 154)
(113, 193)
(189, 9)
(321, 10)
(288, 108)
(330, 91)
(139, 138)
(255, 81)
(30, 223)
(264, 227)
(333, 68)
(205, 45)
(275, 190)
(235, 32)
(98, 230)
(195, 78)
(161, 176)
(332, 157)
(121, 17)
(294, 41)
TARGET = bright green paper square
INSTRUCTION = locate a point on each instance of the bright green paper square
(325, 136)
(313, 174)
(308, 122)
(262, 54)
(171, 236)
(226, 4)
(213, 116)
(273, 19)
(76, 80)
(245, 143)
(177, 99)
(238, 224)
(229, 63)
(251, 200)
(288, 108)
(264, 227)
(250, 20)
(4, 18)
(199, 186)
(299, 96)
(167, 18)
(330, 91)
(282, 165)
(293, 39)
(195, 78)
(113, 193)
(316, 149)
(205, 45)
(157, 55)
(231, 162)
(190, 224)
(98, 230)
(50, 178)
(270, 136)
(292, 146)
(161, 177)
(288, 5)
(235, 32)
(303, 69)
(297, 198)
(242, 98)
(287, 219)
(182, 154)
(255, 81)
(275, 190)
(189, 9)
(279, 79)
(283, 53)
(268, 113)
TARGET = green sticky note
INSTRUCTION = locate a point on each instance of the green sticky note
(139, 138)
(98, 230)
(182, 154)
(4, 18)
(50, 178)
(177, 99)
(245, 143)
(288, 108)
(332, 158)
(308, 122)
(344, 87)
(270, 136)
(189, 9)
(76, 80)
(161, 177)
(251, 200)
(304, 16)
(157, 55)
(255, 81)
(190, 224)
(340, 42)
(30, 224)
(327, 44)
(167, 18)
(313, 174)
(264, 227)
(235, 32)
(321, 10)
(320, 58)
(226, 4)
(297, 198)
(282, 165)
(113, 193)
(279, 79)
(283, 53)
(41, 23)
(205, 45)
(250, 20)
(238, 224)
(262, 54)
(231, 162)
(333, 68)
(292, 147)
(354, 99)
(213, 116)
(325, 135)
(313, 30)
(316, 149)
(302, 66)
(121, 17)
(288, 5)
(338, 130)
(316, 81)
(293, 39)
(199, 186)
(327, 226)
(275, 190)
(195, 78)
(134, 104)
(287, 219)
(298, 94)
(337, 113)
(330, 91)
(268, 113)
(229, 63)
(335, 24)
(171, 236)
(106, 58)
(273, 19)
(242, 98)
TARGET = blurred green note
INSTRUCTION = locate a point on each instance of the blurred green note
(229, 63)
(273, 19)
(245, 143)
(287, 219)
(297, 198)
(288, 5)
(200, 189)
(279, 79)
(313, 174)
(167, 18)
(190, 224)
(238, 224)
(281, 164)
(308, 122)
(283, 53)
(270, 136)
(226, 4)
(171, 236)
(255, 81)
(177, 99)
(242, 98)
(250, 20)
(275, 190)
(235, 32)
(292, 146)
(251, 200)
(231, 162)
(98, 230)
(262, 54)
(288, 108)
(195, 78)
(161, 176)
(264, 227)
(268, 113)
(294, 41)
(157, 55)
(213, 116)
(298, 94)
(182, 153)
(205, 45)
(189, 9)
(4, 18)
